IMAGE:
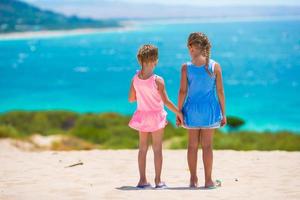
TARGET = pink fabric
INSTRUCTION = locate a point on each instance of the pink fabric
(150, 114)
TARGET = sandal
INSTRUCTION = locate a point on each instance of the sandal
(217, 184)
(161, 185)
(145, 186)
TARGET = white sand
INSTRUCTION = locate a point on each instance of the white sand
(60, 33)
(112, 174)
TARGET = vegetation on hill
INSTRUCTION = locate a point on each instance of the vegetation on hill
(17, 16)
(110, 131)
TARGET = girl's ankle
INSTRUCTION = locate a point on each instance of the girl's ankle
(157, 181)
(194, 178)
(209, 182)
(143, 180)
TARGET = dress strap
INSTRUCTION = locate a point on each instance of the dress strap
(189, 63)
(154, 77)
(211, 66)
(136, 74)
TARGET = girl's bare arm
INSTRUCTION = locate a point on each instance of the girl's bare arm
(183, 87)
(220, 91)
(164, 96)
(132, 94)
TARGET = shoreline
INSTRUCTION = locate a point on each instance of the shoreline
(60, 33)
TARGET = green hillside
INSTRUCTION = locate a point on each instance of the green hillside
(17, 16)
(111, 131)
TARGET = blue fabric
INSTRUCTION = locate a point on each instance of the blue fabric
(201, 108)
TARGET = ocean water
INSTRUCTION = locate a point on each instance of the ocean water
(260, 60)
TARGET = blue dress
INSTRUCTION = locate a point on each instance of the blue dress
(201, 108)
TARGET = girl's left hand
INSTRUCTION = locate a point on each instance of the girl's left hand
(223, 121)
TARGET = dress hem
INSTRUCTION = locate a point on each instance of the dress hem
(214, 126)
(152, 130)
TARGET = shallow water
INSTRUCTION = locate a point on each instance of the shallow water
(91, 73)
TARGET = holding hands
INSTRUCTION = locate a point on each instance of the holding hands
(179, 119)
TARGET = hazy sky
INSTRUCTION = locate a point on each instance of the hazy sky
(182, 2)
(169, 8)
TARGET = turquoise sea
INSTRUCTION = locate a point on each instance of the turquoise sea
(91, 73)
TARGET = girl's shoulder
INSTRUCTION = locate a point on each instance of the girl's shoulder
(136, 73)
(187, 64)
(214, 66)
(134, 76)
(184, 66)
(159, 82)
(159, 79)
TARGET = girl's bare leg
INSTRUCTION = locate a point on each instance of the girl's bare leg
(143, 148)
(192, 155)
(157, 138)
(207, 154)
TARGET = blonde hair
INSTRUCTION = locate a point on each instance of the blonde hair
(147, 53)
(201, 42)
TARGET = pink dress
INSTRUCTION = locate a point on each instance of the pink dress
(150, 115)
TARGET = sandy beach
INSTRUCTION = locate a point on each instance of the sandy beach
(112, 174)
(60, 33)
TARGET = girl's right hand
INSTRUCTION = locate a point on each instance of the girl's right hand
(179, 119)
(223, 121)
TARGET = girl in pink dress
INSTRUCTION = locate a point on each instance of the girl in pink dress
(149, 91)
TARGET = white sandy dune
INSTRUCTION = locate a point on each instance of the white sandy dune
(109, 174)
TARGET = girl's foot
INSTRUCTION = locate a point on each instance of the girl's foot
(143, 183)
(193, 185)
(144, 186)
(194, 182)
(157, 181)
(161, 185)
(213, 184)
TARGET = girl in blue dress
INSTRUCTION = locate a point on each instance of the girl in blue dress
(202, 102)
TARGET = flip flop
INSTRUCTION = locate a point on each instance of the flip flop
(145, 186)
(193, 186)
(217, 184)
(161, 185)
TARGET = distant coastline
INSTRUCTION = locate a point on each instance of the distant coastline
(22, 20)
(132, 24)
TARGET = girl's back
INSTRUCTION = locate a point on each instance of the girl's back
(201, 108)
(150, 114)
(147, 95)
(201, 85)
